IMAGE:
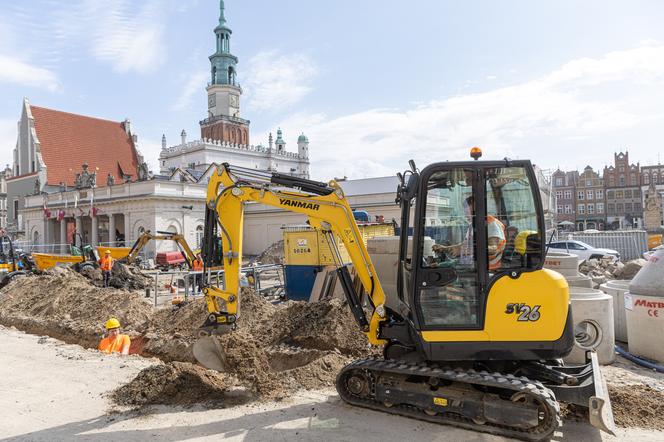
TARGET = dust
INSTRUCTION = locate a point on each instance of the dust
(637, 406)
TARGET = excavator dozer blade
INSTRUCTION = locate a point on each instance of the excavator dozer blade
(600, 412)
(208, 352)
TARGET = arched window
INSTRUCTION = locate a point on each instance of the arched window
(199, 236)
(646, 179)
(231, 75)
(214, 74)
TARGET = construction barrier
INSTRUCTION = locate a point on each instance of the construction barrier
(629, 243)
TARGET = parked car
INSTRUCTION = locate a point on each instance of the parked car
(583, 251)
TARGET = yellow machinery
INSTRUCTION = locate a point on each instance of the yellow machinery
(477, 335)
(116, 252)
(79, 257)
(11, 265)
(147, 236)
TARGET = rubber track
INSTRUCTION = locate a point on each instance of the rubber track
(483, 378)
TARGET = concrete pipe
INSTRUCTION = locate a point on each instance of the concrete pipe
(592, 311)
(645, 325)
(649, 280)
(564, 263)
(617, 289)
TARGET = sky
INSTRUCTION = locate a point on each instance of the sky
(372, 83)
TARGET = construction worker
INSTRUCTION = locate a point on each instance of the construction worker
(496, 238)
(106, 265)
(197, 266)
(114, 342)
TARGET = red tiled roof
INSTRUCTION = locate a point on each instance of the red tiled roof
(69, 140)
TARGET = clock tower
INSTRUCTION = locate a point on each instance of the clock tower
(223, 122)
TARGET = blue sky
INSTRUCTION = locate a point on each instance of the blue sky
(371, 82)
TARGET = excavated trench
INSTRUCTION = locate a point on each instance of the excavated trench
(276, 350)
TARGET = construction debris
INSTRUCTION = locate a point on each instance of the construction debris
(272, 255)
(637, 406)
(603, 270)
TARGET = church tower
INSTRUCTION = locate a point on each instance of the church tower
(223, 122)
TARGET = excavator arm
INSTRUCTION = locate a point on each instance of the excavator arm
(147, 236)
(326, 208)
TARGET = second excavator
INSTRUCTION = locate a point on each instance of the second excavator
(476, 333)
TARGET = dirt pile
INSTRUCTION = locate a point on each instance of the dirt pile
(276, 349)
(272, 255)
(64, 304)
(122, 277)
(177, 383)
(637, 406)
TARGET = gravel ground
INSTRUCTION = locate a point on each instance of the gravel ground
(51, 391)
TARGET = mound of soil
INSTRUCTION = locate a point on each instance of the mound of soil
(637, 406)
(64, 304)
(177, 383)
(276, 349)
(272, 255)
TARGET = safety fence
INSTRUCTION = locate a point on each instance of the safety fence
(177, 286)
(631, 244)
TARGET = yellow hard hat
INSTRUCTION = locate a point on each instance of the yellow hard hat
(112, 323)
(108, 252)
(521, 241)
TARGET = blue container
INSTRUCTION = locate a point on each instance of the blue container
(299, 281)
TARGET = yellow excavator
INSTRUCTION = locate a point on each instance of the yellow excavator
(148, 236)
(476, 333)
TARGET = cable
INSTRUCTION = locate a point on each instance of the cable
(637, 360)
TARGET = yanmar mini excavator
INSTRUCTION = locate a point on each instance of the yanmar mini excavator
(477, 335)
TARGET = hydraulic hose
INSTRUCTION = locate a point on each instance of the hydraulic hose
(637, 360)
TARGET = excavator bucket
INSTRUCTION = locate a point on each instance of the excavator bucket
(208, 352)
(600, 412)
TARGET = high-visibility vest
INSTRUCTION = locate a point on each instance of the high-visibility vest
(197, 265)
(496, 229)
(106, 263)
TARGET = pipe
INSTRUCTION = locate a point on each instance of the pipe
(639, 361)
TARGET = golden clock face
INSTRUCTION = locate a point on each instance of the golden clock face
(234, 101)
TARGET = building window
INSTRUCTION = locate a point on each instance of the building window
(559, 209)
(559, 182)
(568, 194)
(589, 183)
(612, 208)
(628, 207)
(612, 181)
(619, 194)
(599, 194)
(655, 178)
(621, 168)
(589, 194)
(15, 210)
(580, 194)
(591, 209)
(600, 207)
(581, 209)
(568, 208)
(632, 180)
(619, 208)
(622, 180)
(646, 178)
(628, 193)
(637, 207)
(199, 236)
(610, 194)
(559, 194)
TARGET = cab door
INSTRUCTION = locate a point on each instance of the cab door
(447, 284)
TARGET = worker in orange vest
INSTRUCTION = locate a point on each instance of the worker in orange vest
(496, 238)
(197, 266)
(106, 265)
(114, 342)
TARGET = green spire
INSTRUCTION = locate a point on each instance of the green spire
(222, 19)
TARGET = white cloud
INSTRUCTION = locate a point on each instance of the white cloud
(193, 86)
(8, 136)
(564, 118)
(277, 81)
(15, 71)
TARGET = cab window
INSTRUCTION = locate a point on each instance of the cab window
(513, 230)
